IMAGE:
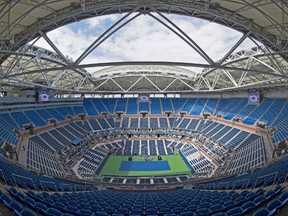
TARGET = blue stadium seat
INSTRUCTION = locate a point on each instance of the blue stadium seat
(216, 208)
(151, 211)
(274, 206)
(53, 212)
(179, 209)
(186, 213)
(41, 208)
(99, 213)
(95, 208)
(203, 211)
(59, 205)
(84, 212)
(283, 198)
(6, 199)
(229, 204)
(109, 210)
(220, 214)
(27, 212)
(237, 211)
(124, 211)
(71, 209)
(248, 206)
(163, 211)
(14, 206)
(137, 211)
(262, 212)
(240, 200)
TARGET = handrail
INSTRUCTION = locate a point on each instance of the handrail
(1, 172)
(52, 183)
(264, 176)
(21, 177)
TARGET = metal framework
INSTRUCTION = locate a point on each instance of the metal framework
(264, 22)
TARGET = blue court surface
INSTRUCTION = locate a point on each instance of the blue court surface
(144, 166)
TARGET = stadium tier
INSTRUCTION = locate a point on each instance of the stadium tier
(143, 108)
(179, 142)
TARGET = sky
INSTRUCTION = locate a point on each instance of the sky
(144, 39)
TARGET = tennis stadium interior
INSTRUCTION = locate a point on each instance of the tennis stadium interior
(143, 137)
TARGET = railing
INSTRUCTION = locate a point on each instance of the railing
(243, 180)
(265, 176)
(2, 176)
(48, 182)
(15, 176)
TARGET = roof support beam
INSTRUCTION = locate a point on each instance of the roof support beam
(97, 87)
(169, 85)
(153, 84)
(183, 64)
(54, 47)
(270, 55)
(207, 83)
(17, 58)
(57, 78)
(189, 86)
(234, 47)
(81, 83)
(279, 28)
(267, 65)
(134, 84)
(184, 36)
(230, 77)
(1, 73)
(248, 64)
(106, 35)
(117, 84)
(243, 75)
(16, 22)
(216, 78)
(38, 62)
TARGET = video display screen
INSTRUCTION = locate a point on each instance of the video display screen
(254, 97)
(42, 96)
(143, 98)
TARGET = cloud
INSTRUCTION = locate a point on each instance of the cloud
(144, 39)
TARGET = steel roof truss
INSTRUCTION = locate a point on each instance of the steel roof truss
(248, 65)
(46, 78)
(106, 35)
(267, 65)
(227, 73)
(24, 64)
(16, 22)
(19, 54)
(54, 47)
(40, 65)
(169, 84)
(215, 80)
(134, 83)
(182, 35)
(189, 86)
(3, 5)
(101, 84)
(57, 78)
(243, 75)
(269, 55)
(81, 83)
(2, 74)
(72, 80)
(256, 6)
(153, 83)
(237, 44)
(118, 85)
(206, 81)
